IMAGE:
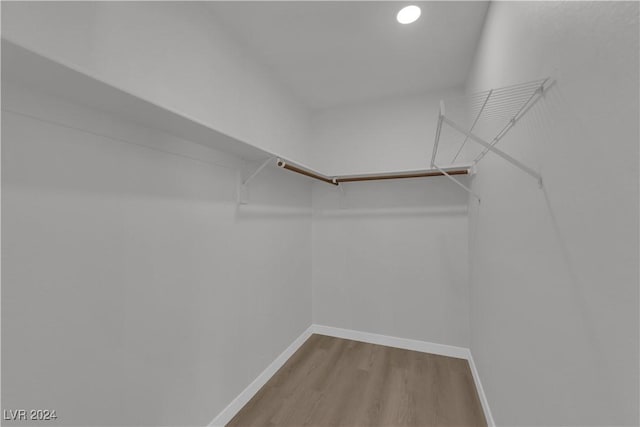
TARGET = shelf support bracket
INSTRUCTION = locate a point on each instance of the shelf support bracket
(495, 150)
(243, 189)
(438, 129)
(468, 190)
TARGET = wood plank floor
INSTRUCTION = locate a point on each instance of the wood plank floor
(337, 382)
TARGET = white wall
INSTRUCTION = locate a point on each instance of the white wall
(384, 135)
(134, 290)
(389, 257)
(174, 54)
(555, 271)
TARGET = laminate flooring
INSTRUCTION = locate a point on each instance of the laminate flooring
(336, 382)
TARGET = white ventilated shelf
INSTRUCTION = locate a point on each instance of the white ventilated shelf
(37, 71)
(485, 118)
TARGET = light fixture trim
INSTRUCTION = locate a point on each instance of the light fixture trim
(408, 14)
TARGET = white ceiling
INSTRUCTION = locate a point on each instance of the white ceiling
(341, 52)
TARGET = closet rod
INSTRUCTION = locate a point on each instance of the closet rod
(370, 177)
(400, 175)
(306, 172)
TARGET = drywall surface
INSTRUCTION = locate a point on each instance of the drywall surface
(554, 271)
(134, 290)
(390, 257)
(174, 54)
(389, 134)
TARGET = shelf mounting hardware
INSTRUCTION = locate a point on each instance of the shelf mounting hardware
(492, 148)
(499, 109)
(243, 189)
(468, 190)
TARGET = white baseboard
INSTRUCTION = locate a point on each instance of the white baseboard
(481, 395)
(405, 343)
(423, 346)
(243, 398)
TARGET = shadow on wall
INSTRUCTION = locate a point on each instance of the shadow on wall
(261, 211)
(80, 160)
(433, 196)
(541, 126)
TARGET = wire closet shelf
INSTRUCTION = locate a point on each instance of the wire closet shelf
(485, 118)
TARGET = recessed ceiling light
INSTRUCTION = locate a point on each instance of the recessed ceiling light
(408, 14)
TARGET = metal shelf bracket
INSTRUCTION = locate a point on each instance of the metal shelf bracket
(243, 186)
